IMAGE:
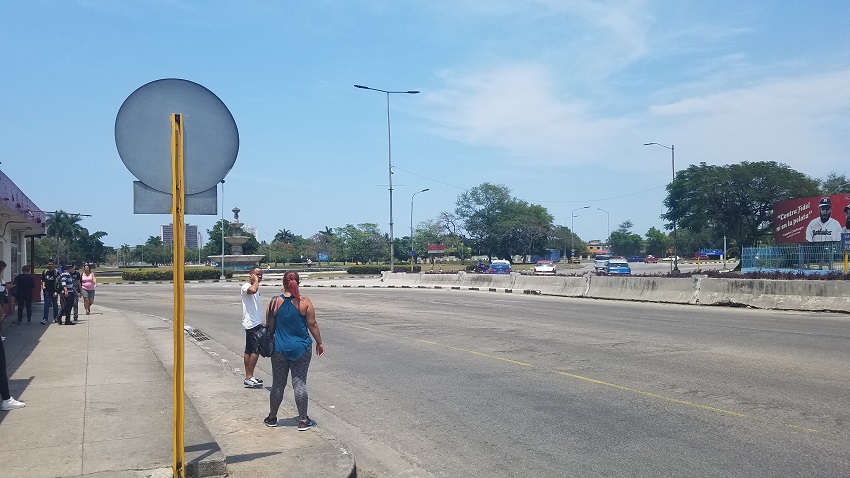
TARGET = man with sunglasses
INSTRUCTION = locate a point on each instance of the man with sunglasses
(252, 318)
(824, 228)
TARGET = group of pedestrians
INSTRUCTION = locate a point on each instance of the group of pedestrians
(64, 288)
(61, 291)
(293, 319)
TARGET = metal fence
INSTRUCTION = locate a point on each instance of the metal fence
(808, 258)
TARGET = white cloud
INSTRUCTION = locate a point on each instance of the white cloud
(801, 121)
(517, 109)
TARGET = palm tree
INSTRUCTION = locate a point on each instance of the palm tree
(64, 226)
(285, 236)
(125, 253)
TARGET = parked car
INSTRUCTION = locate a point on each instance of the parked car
(576, 260)
(544, 266)
(500, 267)
(617, 266)
(668, 259)
(600, 261)
(700, 257)
(650, 259)
(635, 259)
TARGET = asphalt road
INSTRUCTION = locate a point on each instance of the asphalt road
(473, 384)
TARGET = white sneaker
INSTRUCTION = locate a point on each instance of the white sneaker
(11, 404)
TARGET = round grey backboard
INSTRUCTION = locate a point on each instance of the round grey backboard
(143, 134)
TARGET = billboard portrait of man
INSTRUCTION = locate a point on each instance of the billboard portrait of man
(824, 228)
(846, 219)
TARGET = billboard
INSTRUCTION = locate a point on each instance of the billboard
(816, 219)
(436, 249)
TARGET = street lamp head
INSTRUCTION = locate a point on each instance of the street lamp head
(361, 86)
(426, 189)
(412, 92)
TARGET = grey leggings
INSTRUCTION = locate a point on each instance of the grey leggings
(281, 367)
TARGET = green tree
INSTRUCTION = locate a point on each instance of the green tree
(64, 228)
(213, 245)
(734, 199)
(501, 225)
(834, 183)
(88, 247)
(625, 243)
(454, 234)
(125, 253)
(325, 241)
(284, 235)
(478, 209)
(657, 242)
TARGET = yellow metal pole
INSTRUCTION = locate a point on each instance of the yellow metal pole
(179, 226)
(845, 261)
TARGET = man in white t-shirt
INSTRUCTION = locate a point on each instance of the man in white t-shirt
(252, 319)
(824, 228)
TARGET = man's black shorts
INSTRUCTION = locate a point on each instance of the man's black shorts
(251, 340)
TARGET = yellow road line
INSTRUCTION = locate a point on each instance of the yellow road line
(589, 380)
(474, 352)
(653, 395)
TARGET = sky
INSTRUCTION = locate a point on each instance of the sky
(552, 99)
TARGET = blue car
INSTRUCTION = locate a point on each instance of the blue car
(499, 267)
(618, 267)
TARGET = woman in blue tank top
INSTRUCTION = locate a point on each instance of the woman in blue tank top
(293, 319)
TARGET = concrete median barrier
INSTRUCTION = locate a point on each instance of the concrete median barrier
(760, 293)
(558, 285)
(776, 294)
(650, 289)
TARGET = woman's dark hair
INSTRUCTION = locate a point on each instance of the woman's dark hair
(2, 263)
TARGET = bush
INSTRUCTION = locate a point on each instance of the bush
(206, 273)
(367, 269)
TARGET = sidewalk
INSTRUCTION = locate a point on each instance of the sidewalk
(99, 404)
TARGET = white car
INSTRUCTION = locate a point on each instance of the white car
(544, 267)
(668, 259)
(600, 261)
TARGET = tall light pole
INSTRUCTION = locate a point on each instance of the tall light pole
(222, 230)
(608, 238)
(389, 163)
(411, 225)
(199, 247)
(672, 149)
(572, 230)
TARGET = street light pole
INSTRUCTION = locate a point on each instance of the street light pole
(411, 225)
(389, 163)
(572, 230)
(607, 239)
(672, 149)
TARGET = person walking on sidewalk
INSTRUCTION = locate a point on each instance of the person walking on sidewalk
(293, 319)
(48, 290)
(69, 292)
(87, 284)
(75, 274)
(8, 402)
(24, 284)
(252, 319)
(4, 296)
